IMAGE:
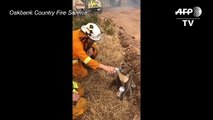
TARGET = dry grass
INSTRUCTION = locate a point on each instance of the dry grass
(108, 26)
(78, 21)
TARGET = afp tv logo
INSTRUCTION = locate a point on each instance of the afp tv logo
(191, 13)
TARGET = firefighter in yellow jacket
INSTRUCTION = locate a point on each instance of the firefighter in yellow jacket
(84, 50)
(79, 104)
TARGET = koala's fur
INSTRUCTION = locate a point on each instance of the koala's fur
(124, 78)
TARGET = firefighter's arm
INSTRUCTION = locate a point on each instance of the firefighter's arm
(109, 69)
(82, 55)
(94, 64)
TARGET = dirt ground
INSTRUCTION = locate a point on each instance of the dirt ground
(124, 47)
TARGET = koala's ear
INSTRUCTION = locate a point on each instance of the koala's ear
(131, 71)
(122, 64)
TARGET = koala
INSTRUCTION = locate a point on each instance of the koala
(123, 81)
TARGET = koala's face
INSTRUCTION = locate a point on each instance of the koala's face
(125, 69)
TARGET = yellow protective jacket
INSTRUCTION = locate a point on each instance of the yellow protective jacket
(78, 50)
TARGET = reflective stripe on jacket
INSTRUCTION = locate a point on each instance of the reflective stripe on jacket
(74, 87)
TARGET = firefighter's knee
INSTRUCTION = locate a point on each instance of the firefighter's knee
(82, 103)
(79, 71)
(79, 108)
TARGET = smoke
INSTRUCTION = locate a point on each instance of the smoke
(134, 3)
(130, 3)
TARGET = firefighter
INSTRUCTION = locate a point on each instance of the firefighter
(84, 50)
(79, 103)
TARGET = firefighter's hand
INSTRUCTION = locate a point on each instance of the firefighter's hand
(109, 69)
(75, 97)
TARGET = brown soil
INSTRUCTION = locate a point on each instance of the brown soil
(124, 46)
